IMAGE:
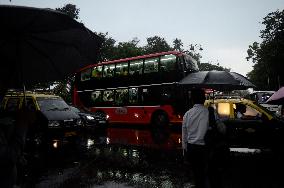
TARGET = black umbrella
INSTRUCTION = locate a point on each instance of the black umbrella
(219, 80)
(40, 45)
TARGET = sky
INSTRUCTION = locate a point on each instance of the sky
(224, 28)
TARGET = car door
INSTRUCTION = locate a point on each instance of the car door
(248, 130)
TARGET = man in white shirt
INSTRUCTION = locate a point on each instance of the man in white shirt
(194, 127)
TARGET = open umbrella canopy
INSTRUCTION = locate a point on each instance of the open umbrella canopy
(40, 45)
(277, 97)
(220, 80)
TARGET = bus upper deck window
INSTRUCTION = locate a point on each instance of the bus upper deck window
(121, 69)
(108, 70)
(136, 67)
(151, 65)
(168, 63)
(97, 72)
(86, 74)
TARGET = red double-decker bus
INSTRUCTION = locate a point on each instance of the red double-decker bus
(137, 90)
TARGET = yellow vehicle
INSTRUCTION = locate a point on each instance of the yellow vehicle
(53, 118)
(253, 127)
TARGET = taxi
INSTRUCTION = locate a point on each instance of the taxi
(52, 120)
(254, 127)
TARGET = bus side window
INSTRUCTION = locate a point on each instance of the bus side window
(108, 70)
(108, 97)
(151, 65)
(121, 69)
(133, 95)
(86, 74)
(96, 97)
(136, 67)
(167, 63)
(166, 95)
(150, 95)
(121, 97)
(97, 72)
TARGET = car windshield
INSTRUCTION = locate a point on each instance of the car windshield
(52, 104)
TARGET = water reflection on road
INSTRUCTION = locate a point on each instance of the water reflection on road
(121, 157)
(128, 157)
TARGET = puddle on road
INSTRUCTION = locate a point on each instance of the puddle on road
(134, 167)
(134, 158)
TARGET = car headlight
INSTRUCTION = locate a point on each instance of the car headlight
(53, 124)
(90, 117)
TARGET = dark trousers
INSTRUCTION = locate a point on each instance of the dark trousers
(197, 156)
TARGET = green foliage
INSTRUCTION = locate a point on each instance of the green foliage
(268, 56)
(108, 47)
(156, 44)
(210, 67)
(178, 45)
(127, 49)
(70, 10)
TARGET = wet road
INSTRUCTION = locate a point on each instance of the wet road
(136, 158)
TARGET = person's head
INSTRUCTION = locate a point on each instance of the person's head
(197, 96)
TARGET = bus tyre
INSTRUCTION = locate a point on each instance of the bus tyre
(160, 127)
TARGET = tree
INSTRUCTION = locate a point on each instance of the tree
(128, 49)
(70, 10)
(194, 51)
(209, 67)
(177, 45)
(268, 56)
(156, 44)
(108, 47)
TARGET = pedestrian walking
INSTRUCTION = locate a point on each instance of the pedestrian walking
(194, 127)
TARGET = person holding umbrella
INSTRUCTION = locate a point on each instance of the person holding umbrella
(194, 127)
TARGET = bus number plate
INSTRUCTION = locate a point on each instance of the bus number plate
(121, 111)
